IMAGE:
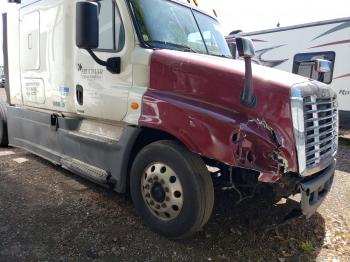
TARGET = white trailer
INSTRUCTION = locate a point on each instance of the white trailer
(294, 48)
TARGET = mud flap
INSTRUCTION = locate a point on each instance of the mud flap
(314, 191)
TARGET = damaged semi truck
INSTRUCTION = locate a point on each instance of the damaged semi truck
(141, 96)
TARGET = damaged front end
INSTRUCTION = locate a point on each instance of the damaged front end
(258, 146)
(261, 150)
(279, 139)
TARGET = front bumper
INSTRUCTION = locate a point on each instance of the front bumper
(314, 190)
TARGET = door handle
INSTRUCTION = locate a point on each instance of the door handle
(79, 94)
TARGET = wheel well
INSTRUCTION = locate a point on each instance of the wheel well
(146, 137)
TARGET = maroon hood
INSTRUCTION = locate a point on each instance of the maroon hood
(196, 98)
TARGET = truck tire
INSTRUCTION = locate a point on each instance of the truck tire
(3, 125)
(171, 189)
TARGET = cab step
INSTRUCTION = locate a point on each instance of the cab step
(87, 171)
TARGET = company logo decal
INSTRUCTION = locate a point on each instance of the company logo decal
(334, 29)
(324, 93)
(344, 92)
(332, 43)
(58, 103)
(64, 91)
(269, 63)
(342, 76)
(90, 73)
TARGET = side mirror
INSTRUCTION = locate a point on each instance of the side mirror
(87, 34)
(233, 48)
(245, 47)
(87, 25)
(323, 66)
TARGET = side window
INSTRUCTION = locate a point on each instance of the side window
(233, 49)
(304, 65)
(111, 29)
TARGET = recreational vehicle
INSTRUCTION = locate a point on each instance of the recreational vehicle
(142, 96)
(295, 48)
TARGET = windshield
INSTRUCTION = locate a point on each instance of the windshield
(166, 24)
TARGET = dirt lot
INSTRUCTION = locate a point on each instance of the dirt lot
(49, 214)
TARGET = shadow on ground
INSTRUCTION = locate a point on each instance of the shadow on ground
(47, 213)
(343, 158)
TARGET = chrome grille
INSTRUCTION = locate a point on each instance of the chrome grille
(321, 129)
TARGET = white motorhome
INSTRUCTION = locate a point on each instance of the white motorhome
(143, 96)
(294, 48)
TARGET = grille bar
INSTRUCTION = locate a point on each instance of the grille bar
(316, 135)
(310, 145)
(320, 118)
(313, 161)
(319, 111)
(321, 126)
(320, 103)
(311, 153)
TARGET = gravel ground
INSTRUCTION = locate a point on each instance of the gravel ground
(47, 213)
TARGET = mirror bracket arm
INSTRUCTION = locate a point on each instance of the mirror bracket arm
(248, 97)
(97, 60)
(112, 64)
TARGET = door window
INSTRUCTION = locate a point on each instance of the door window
(111, 29)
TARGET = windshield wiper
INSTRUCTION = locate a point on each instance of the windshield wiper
(183, 47)
(224, 56)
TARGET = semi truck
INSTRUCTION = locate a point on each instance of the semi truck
(295, 48)
(143, 97)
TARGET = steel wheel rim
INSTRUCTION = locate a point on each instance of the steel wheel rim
(162, 191)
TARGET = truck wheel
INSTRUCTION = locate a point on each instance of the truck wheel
(3, 125)
(171, 189)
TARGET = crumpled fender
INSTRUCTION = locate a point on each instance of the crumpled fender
(215, 124)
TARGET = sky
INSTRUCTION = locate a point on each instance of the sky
(252, 15)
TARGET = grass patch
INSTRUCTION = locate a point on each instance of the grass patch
(307, 246)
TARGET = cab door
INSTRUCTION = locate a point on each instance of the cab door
(98, 92)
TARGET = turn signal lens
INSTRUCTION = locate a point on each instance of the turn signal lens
(135, 106)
